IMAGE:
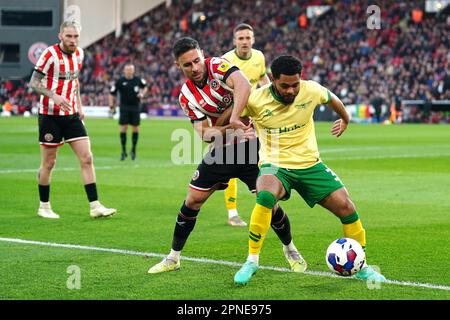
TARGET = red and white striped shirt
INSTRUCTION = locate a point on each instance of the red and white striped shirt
(61, 71)
(210, 101)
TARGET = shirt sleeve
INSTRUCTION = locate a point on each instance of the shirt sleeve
(263, 66)
(44, 63)
(221, 68)
(81, 52)
(190, 111)
(324, 94)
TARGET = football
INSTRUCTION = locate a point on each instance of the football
(345, 256)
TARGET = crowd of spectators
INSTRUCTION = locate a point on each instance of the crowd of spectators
(406, 58)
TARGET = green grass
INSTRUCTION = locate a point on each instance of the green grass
(398, 176)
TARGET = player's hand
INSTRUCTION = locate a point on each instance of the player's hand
(62, 102)
(236, 123)
(338, 128)
(245, 135)
(250, 134)
(81, 113)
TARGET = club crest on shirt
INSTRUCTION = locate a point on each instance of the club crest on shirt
(215, 85)
(195, 175)
(303, 105)
(48, 137)
(227, 99)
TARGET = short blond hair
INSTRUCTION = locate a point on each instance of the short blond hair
(70, 24)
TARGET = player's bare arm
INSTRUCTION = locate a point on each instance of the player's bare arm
(224, 119)
(341, 124)
(207, 133)
(37, 85)
(242, 87)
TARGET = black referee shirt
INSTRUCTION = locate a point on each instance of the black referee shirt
(128, 90)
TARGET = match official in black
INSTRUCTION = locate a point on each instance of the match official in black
(131, 90)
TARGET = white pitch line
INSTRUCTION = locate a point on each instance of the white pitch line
(160, 165)
(169, 164)
(211, 261)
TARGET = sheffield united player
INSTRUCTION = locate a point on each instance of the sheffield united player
(207, 97)
(55, 78)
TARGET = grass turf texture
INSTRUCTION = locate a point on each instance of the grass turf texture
(398, 177)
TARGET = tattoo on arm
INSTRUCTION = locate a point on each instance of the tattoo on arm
(37, 86)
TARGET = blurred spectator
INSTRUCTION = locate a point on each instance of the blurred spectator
(408, 55)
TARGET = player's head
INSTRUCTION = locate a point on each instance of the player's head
(189, 58)
(243, 39)
(286, 72)
(69, 35)
(128, 70)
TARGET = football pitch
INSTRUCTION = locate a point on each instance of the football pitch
(398, 176)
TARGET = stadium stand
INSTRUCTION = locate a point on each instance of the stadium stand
(408, 58)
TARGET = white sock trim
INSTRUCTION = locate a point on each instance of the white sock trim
(44, 205)
(232, 213)
(253, 258)
(290, 246)
(94, 204)
(174, 255)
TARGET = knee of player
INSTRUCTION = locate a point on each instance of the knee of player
(87, 159)
(194, 201)
(347, 207)
(49, 163)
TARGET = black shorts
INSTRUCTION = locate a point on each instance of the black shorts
(215, 175)
(132, 117)
(55, 130)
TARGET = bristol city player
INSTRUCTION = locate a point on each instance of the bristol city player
(212, 86)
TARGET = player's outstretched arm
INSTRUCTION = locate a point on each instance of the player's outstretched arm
(341, 124)
(241, 87)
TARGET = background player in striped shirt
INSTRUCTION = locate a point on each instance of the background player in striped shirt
(55, 78)
(213, 85)
(253, 64)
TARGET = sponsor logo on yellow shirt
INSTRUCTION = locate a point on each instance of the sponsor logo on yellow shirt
(303, 105)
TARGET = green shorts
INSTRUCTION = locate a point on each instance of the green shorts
(313, 184)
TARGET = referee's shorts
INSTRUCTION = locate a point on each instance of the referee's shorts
(130, 116)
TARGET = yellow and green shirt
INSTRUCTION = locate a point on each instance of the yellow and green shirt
(286, 132)
(253, 68)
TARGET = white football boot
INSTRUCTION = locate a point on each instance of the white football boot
(45, 211)
(98, 210)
